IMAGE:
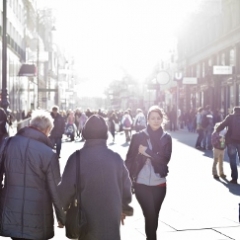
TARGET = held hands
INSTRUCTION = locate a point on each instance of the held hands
(60, 225)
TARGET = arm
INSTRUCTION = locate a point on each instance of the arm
(126, 192)
(66, 187)
(132, 152)
(223, 124)
(164, 154)
(53, 178)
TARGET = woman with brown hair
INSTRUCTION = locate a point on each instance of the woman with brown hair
(147, 158)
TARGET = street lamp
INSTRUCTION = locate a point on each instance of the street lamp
(4, 97)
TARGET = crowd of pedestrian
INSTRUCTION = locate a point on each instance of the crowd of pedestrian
(32, 186)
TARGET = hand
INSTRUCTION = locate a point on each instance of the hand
(60, 225)
(142, 149)
(123, 216)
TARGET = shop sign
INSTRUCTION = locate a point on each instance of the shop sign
(222, 70)
(188, 80)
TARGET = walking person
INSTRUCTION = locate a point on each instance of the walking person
(3, 122)
(147, 158)
(127, 125)
(105, 186)
(207, 125)
(139, 120)
(112, 120)
(29, 191)
(58, 130)
(199, 129)
(218, 143)
(232, 122)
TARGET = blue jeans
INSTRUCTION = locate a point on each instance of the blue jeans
(232, 150)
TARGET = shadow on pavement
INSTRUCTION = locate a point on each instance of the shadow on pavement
(233, 188)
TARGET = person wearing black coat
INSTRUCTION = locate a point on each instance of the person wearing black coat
(147, 161)
(58, 129)
(105, 186)
(29, 191)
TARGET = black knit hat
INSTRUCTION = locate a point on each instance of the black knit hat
(95, 128)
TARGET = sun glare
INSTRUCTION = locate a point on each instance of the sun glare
(110, 38)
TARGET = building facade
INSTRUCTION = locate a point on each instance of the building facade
(209, 50)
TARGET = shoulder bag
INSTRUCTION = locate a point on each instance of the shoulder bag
(76, 222)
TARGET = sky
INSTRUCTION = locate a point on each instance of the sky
(109, 38)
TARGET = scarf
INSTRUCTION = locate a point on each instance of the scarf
(155, 138)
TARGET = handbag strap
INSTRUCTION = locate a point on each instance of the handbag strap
(78, 178)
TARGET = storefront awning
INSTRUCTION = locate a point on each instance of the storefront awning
(27, 70)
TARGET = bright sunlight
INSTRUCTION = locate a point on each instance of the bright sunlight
(111, 38)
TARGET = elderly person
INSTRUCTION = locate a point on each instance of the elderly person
(29, 191)
(105, 186)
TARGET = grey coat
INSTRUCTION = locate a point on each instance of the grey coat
(31, 177)
(105, 188)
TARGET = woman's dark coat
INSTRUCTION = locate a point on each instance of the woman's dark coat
(135, 161)
(104, 181)
(31, 177)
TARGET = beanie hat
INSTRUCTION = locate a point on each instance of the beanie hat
(95, 128)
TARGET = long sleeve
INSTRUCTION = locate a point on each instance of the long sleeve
(53, 178)
(67, 186)
(126, 192)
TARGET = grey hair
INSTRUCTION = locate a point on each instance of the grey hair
(42, 120)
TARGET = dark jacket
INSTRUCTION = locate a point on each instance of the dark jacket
(31, 177)
(228, 122)
(135, 161)
(58, 126)
(104, 180)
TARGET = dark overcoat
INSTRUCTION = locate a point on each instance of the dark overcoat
(30, 189)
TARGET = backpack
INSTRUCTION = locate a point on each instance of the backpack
(127, 122)
(235, 130)
(207, 120)
(216, 141)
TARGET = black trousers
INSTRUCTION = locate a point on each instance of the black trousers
(150, 199)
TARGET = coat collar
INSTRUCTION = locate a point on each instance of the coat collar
(95, 142)
(35, 134)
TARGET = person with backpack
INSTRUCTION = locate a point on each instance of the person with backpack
(218, 143)
(127, 125)
(232, 123)
(139, 121)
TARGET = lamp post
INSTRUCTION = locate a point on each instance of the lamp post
(4, 100)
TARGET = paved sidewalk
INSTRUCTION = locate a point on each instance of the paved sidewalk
(196, 205)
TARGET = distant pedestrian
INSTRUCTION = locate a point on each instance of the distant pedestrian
(147, 160)
(218, 143)
(29, 191)
(139, 120)
(112, 121)
(58, 129)
(199, 128)
(127, 125)
(207, 125)
(105, 186)
(173, 116)
(232, 122)
(3, 122)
